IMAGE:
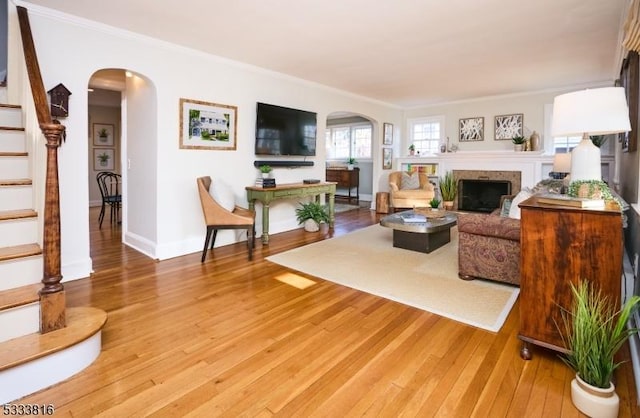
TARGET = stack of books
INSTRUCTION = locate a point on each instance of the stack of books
(576, 202)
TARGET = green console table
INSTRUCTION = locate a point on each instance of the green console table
(289, 191)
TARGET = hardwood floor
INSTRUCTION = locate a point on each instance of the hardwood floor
(224, 338)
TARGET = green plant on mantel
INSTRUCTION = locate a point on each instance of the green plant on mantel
(518, 140)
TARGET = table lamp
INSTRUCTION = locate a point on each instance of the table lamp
(561, 165)
(600, 111)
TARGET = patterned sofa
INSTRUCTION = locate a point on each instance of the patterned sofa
(489, 247)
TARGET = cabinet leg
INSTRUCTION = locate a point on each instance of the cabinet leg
(525, 351)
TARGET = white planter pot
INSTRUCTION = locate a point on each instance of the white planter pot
(595, 402)
(349, 166)
(311, 226)
(266, 175)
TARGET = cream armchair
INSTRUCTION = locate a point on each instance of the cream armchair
(409, 193)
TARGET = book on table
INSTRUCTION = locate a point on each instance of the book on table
(413, 218)
(576, 202)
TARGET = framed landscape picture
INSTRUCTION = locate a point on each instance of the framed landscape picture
(508, 126)
(387, 158)
(209, 126)
(471, 129)
(387, 138)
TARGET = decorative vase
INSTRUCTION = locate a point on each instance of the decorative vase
(534, 140)
(518, 147)
(593, 401)
(311, 226)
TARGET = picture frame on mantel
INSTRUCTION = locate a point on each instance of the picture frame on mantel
(207, 126)
(471, 129)
(387, 135)
(508, 126)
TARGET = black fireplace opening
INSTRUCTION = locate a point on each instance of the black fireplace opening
(482, 195)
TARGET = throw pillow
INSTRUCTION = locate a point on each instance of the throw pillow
(514, 210)
(222, 194)
(506, 207)
(410, 181)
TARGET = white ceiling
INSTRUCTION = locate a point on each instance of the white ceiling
(403, 52)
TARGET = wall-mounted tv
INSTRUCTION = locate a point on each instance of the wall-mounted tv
(285, 131)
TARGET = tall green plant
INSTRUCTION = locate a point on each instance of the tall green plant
(448, 186)
(593, 333)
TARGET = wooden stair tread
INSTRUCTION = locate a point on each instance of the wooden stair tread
(17, 214)
(14, 154)
(10, 106)
(15, 182)
(11, 128)
(19, 296)
(82, 323)
(19, 251)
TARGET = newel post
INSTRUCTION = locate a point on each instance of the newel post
(52, 296)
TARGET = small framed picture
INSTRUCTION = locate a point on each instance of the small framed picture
(387, 158)
(508, 126)
(103, 159)
(387, 138)
(471, 129)
(103, 135)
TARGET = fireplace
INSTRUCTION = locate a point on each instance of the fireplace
(481, 195)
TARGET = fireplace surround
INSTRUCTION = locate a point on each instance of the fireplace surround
(494, 182)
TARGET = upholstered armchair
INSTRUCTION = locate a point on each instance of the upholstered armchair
(409, 190)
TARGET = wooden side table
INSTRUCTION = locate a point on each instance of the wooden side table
(382, 202)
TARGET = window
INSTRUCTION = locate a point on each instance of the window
(426, 134)
(345, 141)
(565, 143)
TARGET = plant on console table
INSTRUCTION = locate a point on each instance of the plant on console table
(448, 189)
(311, 215)
(265, 170)
(593, 331)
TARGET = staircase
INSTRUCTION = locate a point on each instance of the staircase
(31, 360)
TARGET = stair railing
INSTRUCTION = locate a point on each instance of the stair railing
(52, 295)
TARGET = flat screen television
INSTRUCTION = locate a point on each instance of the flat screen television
(285, 131)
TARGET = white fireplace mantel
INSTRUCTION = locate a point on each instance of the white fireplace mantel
(534, 165)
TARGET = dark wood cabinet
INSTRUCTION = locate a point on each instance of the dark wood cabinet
(345, 179)
(559, 246)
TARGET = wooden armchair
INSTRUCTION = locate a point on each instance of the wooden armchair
(217, 217)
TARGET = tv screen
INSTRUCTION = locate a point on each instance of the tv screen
(284, 131)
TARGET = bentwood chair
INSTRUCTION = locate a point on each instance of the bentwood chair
(217, 217)
(109, 185)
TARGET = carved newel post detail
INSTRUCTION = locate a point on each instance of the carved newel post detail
(52, 296)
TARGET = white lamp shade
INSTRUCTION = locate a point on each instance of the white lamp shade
(594, 111)
(562, 163)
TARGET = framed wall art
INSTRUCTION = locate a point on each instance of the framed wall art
(103, 159)
(629, 81)
(471, 129)
(387, 137)
(103, 135)
(209, 126)
(387, 158)
(508, 126)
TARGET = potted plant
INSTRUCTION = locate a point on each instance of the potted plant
(434, 203)
(104, 159)
(518, 142)
(448, 189)
(593, 332)
(265, 170)
(412, 149)
(350, 163)
(311, 214)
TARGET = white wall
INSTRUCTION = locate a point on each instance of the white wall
(163, 215)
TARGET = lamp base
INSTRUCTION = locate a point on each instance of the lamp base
(585, 161)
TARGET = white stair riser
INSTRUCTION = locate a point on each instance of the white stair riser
(16, 197)
(11, 117)
(12, 141)
(3, 95)
(19, 321)
(20, 272)
(18, 232)
(14, 167)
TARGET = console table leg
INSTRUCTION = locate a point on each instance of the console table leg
(332, 214)
(265, 223)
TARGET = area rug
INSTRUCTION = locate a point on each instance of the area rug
(366, 260)
(343, 207)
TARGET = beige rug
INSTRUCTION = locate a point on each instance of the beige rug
(366, 260)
